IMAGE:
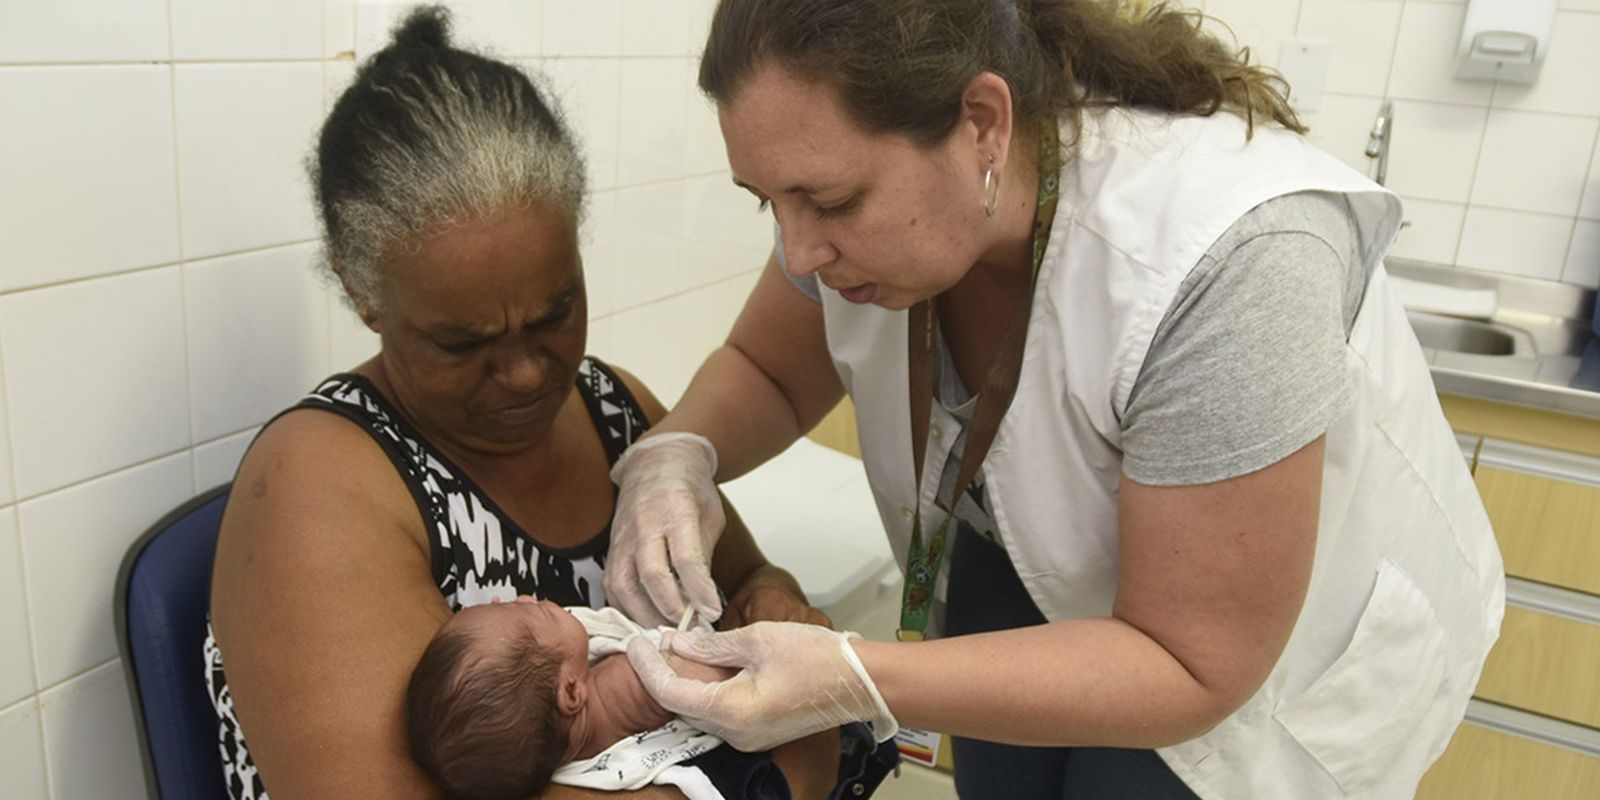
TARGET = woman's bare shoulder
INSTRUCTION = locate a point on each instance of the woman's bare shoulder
(315, 487)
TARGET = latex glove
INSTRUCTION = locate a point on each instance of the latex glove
(669, 516)
(796, 680)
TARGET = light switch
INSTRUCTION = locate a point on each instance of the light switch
(1304, 64)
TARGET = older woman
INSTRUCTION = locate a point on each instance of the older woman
(468, 461)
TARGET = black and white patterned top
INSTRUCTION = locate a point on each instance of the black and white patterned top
(478, 552)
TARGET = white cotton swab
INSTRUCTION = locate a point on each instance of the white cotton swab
(688, 616)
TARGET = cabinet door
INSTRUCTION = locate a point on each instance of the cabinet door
(1481, 764)
(1546, 664)
(1546, 513)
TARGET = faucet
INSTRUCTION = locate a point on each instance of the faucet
(1378, 140)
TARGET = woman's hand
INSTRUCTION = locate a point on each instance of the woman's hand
(770, 594)
(795, 680)
(668, 519)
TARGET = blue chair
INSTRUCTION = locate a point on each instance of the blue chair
(163, 592)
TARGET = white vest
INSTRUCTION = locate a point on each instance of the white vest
(1407, 588)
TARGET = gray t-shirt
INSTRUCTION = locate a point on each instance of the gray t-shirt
(1247, 365)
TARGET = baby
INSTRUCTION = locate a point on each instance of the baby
(505, 694)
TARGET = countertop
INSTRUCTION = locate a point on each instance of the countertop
(1555, 363)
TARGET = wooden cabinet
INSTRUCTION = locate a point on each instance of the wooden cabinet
(1549, 528)
(1482, 764)
(1533, 730)
(1546, 664)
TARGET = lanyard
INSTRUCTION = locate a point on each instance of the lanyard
(999, 386)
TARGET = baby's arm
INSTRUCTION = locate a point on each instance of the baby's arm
(696, 670)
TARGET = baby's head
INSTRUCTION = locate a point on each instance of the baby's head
(492, 699)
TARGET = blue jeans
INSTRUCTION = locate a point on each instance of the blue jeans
(986, 595)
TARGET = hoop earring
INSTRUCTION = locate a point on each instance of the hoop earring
(991, 189)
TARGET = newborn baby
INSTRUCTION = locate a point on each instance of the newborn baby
(506, 693)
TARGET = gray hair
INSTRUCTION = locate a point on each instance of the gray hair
(429, 136)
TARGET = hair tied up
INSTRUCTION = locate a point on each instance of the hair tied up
(425, 26)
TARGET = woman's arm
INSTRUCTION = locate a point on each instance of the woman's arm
(1210, 582)
(1211, 579)
(323, 599)
(772, 380)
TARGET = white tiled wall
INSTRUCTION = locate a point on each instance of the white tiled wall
(1501, 176)
(157, 302)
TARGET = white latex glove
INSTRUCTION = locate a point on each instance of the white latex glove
(797, 679)
(669, 517)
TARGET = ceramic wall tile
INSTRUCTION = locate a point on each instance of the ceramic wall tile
(589, 90)
(599, 242)
(1260, 25)
(600, 344)
(16, 644)
(1341, 127)
(95, 376)
(265, 309)
(1515, 242)
(209, 30)
(1362, 33)
(1434, 150)
(1566, 82)
(336, 77)
(707, 154)
(1432, 232)
(350, 342)
(649, 243)
(655, 27)
(1425, 57)
(74, 201)
(504, 29)
(724, 233)
(244, 131)
(83, 30)
(699, 19)
(22, 751)
(1583, 257)
(216, 461)
(73, 541)
(338, 28)
(1590, 208)
(1528, 158)
(655, 104)
(582, 28)
(7, 487)
(89, 734)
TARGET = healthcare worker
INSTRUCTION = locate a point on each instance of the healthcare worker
(1089, 290)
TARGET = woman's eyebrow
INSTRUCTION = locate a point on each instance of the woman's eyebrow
(799, 188)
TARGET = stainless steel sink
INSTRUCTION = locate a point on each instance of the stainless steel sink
(1438, 332)
(1530, 352)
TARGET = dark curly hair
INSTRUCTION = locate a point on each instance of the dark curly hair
(483, 722)
(901, 66)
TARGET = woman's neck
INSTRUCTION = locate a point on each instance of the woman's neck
(1011, 249)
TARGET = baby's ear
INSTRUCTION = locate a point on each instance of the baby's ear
(571, 693)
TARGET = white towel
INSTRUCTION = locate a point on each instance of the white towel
(1451, 300)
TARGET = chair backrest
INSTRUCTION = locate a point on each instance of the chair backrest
(163, 593)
